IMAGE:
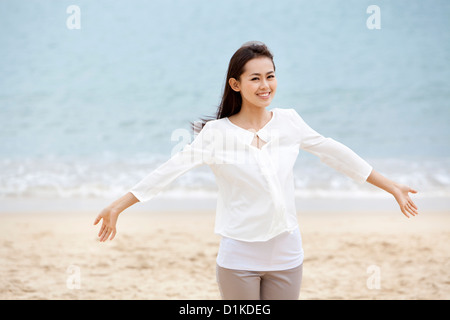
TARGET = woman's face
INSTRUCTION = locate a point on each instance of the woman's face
(257, 84)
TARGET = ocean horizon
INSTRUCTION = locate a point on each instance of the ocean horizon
(88, 112)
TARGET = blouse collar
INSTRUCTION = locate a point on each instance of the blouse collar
(264, 133)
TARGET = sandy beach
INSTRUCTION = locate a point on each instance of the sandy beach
(171, 255)
(97, 95)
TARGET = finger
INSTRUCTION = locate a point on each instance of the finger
(101, 229)
(412, 190)
(404, 212)
(99, 217)
(113, 234)
(411, 207)
(104, 232)
(106, 235)
(108, 232)
(413, 204)
(100, 236)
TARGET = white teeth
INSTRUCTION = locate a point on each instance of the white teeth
(264, 94)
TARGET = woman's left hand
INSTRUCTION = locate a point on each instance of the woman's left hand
(399, 191)
(401, 195)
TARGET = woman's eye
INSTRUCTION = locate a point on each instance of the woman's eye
(271, 76)
(253, 79)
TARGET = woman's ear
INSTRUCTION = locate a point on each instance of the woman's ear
(234, 84)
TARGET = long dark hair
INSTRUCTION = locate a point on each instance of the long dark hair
(231, 100)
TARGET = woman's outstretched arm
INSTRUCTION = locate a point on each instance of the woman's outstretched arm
(195, 154)
(110, 215)
(399, 191)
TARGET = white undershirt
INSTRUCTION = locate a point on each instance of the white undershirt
(279, 253)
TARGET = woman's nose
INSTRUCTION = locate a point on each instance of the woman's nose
(263, 84)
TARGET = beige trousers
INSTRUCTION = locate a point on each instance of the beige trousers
(259, 285)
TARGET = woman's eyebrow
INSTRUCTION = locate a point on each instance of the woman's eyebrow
(258, 74)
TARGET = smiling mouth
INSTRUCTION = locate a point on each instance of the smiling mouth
(264, 95)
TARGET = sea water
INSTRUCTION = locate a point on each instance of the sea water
(90, 98)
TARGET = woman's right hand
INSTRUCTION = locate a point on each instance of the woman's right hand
(110, 214)
(108, 228)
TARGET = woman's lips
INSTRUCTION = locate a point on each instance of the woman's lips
(264, 95)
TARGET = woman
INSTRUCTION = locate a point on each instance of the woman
(252, 151)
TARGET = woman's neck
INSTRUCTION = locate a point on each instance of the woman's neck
(252, 117)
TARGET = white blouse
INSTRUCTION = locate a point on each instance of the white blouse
(255, 200)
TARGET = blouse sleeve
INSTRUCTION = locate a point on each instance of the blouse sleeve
(197, 153)
(330, 152)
